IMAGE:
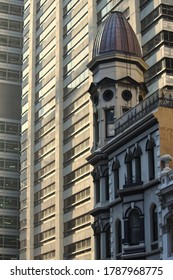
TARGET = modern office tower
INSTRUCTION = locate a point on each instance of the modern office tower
(56, 182)
(11, 22)
(55, 177)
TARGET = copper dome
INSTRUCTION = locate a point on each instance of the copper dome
(116, 35)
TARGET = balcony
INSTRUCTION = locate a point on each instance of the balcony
(162, 98)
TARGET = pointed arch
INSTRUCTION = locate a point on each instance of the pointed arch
(154, 222)
(137, 157)
(133, 226)
(128, 161)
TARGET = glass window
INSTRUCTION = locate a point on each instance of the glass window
(152, 43)
(77, 82)
(96, 129)
(45, 129)
(15, 42)
(76, 199)
(76, 62)
(77, 247)
(137, 157)
(154, 224)
(150, 18)
(75, 41)
(46, 51)
(129, 176)
(76, 127)
(108, 242)
(12, 128)
(44, 150)
(9, 184)
(46, 14)
(50, 28)
(115, 169)
(46, 192)
(50, 66)
(102, 14)
(2, 127)
(134, 227)
(69, 6)
(151, 158)
(110, 129)
(79, 16)
(9, 222)
(46, 89)
(9, 241)
(11, 165)
(9, 203)
(118, 237)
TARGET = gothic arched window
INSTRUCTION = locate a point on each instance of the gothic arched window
(137, 157)
(134, 227)
(154, 223)
(128, 161)
(106, 176)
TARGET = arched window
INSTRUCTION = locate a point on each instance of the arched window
(115, 169)
(118, 237)
(151, 159)
(134, 226)
(154, 221)
(128, 161)
(137, 157)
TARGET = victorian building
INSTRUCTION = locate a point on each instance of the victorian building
(131, 132)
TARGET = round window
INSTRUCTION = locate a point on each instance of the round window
(108, 95)
(127, 95)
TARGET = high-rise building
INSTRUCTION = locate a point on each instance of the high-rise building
(56, 183)
(55, 176)
(11, 23)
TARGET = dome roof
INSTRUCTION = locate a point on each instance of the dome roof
(116, 35)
